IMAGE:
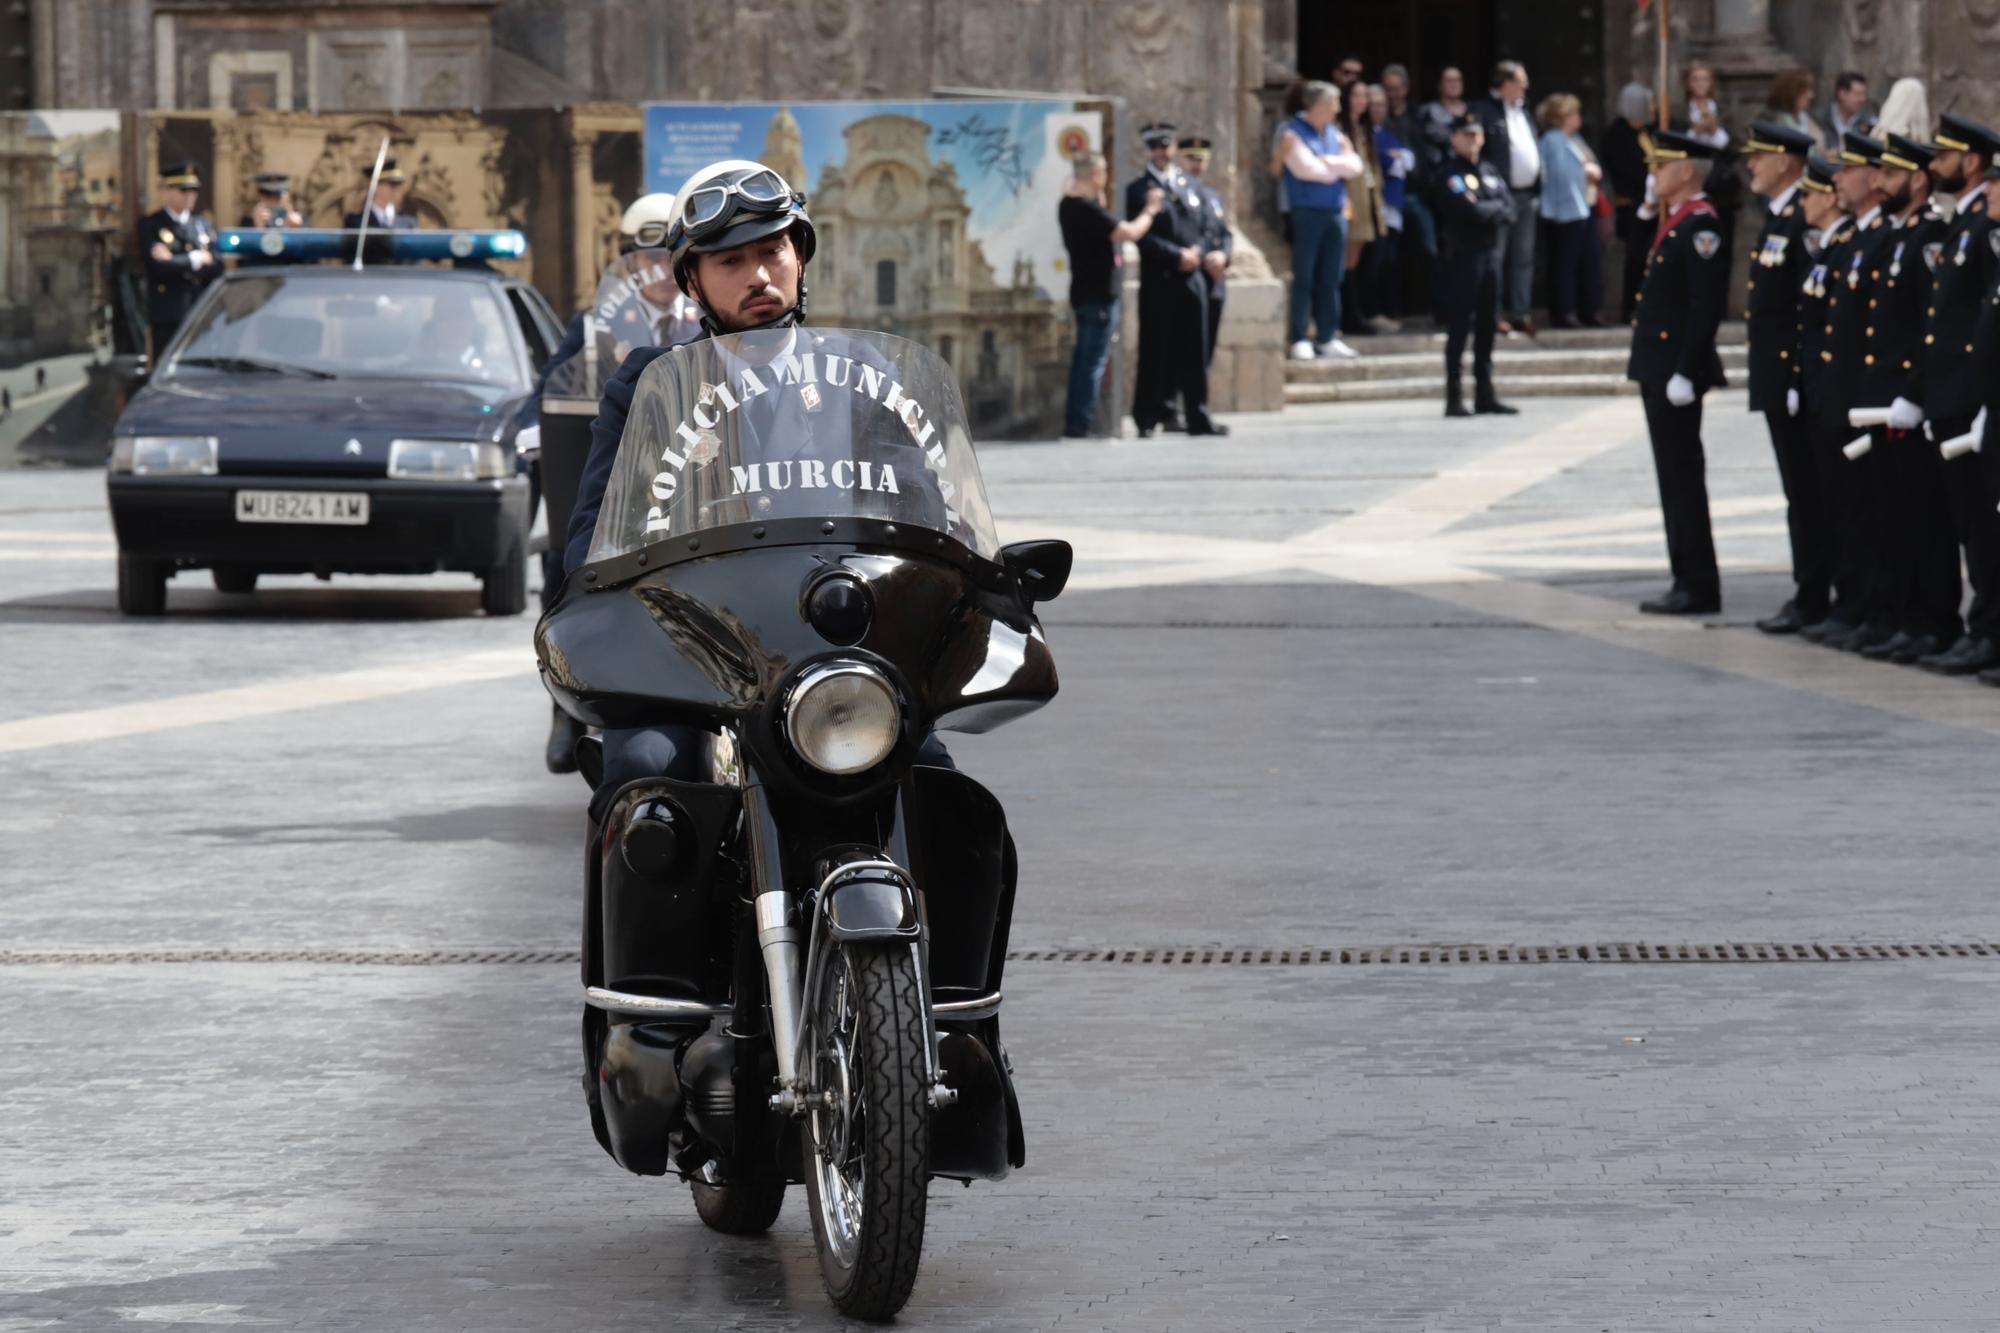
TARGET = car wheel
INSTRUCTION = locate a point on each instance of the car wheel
(142, 585)
(234, 580)
(504, 589)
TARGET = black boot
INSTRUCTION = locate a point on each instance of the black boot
(1487, 402)
(1454, 400)
(563, 733)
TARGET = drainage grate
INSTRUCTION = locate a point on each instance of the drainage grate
(1476, 954)
(1400, 955)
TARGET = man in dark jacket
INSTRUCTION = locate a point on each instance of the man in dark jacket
(1173, 294)
(1777, 272)
(1948, 380)
(179, 246)
(1514, 151)
(1674, 362)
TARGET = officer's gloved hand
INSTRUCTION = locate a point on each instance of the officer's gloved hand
(1791, 402)
(1978, 431)
(1680, 391)
(1905, 415)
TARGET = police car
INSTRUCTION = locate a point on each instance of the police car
(325, 419)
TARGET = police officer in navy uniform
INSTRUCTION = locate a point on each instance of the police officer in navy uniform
(385, 210)
(179, 246)
(273, 211)
(1948, 378)
(1920, 553)
(1173, 295)
(1822, 395)
(1777, 157)
(1473, 204)
(1218, 242)
(1674, 361)
(1860, 518)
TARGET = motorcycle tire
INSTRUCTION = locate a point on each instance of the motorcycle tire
(869, 1262)
(740, 1208)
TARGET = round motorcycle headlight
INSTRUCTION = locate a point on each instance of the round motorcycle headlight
(842, 717)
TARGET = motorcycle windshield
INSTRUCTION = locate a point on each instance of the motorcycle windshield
(637, 304)
(778, 424)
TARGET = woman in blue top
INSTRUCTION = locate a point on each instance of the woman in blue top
(1569, 198)
(1318, 163)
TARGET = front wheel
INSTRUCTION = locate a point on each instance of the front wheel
(142, 585)
(866, 1144)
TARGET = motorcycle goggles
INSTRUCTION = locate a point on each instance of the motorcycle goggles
(713, 207)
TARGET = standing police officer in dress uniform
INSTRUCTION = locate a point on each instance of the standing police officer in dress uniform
(384, 208)
(1674, 361)
(1473, 204)
(1860, 517)
(1920, 553)
(179, 245)
(273, 211)
(1173, 295)
(1829, 234)
(1218, 245)
(1777, 156)
(1948, 380)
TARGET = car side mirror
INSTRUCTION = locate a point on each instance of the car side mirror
(1041, 568)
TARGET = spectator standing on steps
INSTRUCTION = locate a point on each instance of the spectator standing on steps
(1623, 153)
(1317, 164)
(1093, 234)
(1364, 209)
(1512, 146)
(1576, 280)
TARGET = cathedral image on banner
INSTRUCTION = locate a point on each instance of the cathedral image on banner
(936, 222)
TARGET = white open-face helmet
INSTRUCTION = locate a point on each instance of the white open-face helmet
(647, 221)
(732, 203)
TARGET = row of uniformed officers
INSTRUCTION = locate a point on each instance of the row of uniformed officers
(1874, 346)
(179, 243)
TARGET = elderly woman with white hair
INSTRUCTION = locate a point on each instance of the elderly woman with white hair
(1624, 160)
(1906, 112)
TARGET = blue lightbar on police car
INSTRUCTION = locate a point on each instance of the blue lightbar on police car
(310, 243)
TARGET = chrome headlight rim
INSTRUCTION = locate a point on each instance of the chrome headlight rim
(484, 460)
(794, 716)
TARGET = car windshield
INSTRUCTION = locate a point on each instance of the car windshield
(637, 304)
(342, 324)
(794, 424)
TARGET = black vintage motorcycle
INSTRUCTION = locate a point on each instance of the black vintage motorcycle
(792, 950)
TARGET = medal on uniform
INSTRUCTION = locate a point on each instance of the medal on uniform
(1896, 261)
(1932, 253)
(1854, 274)
(166, 236)
(1964, 239)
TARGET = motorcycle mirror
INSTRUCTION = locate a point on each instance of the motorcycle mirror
(1041, 568)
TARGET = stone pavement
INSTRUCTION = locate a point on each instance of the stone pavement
(1347, 678)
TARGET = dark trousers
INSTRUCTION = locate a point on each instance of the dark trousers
(1173, 356)
(1682, 471)
(1094, 324)
(1218, 294)
(1969, 496)
(1844, 487)
(163, 331)
(1805, 514)
(1920, 549)
(1637, 233)
(1472, 301)
(1577, 282)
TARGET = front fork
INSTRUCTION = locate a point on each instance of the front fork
(886, 909)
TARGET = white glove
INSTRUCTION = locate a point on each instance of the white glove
(1791, 402)
(1905, 415)
(528, 440)
(1978, 431)
(1680, 391)
(197, 260)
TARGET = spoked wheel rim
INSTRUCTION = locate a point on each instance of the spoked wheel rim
(837, 1120)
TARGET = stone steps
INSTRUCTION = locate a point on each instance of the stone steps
(1559, 363)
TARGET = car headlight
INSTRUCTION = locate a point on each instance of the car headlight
(843, 717)
(448, 460)
(164, 455)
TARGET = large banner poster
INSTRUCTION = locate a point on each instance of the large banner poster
(936, 222)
